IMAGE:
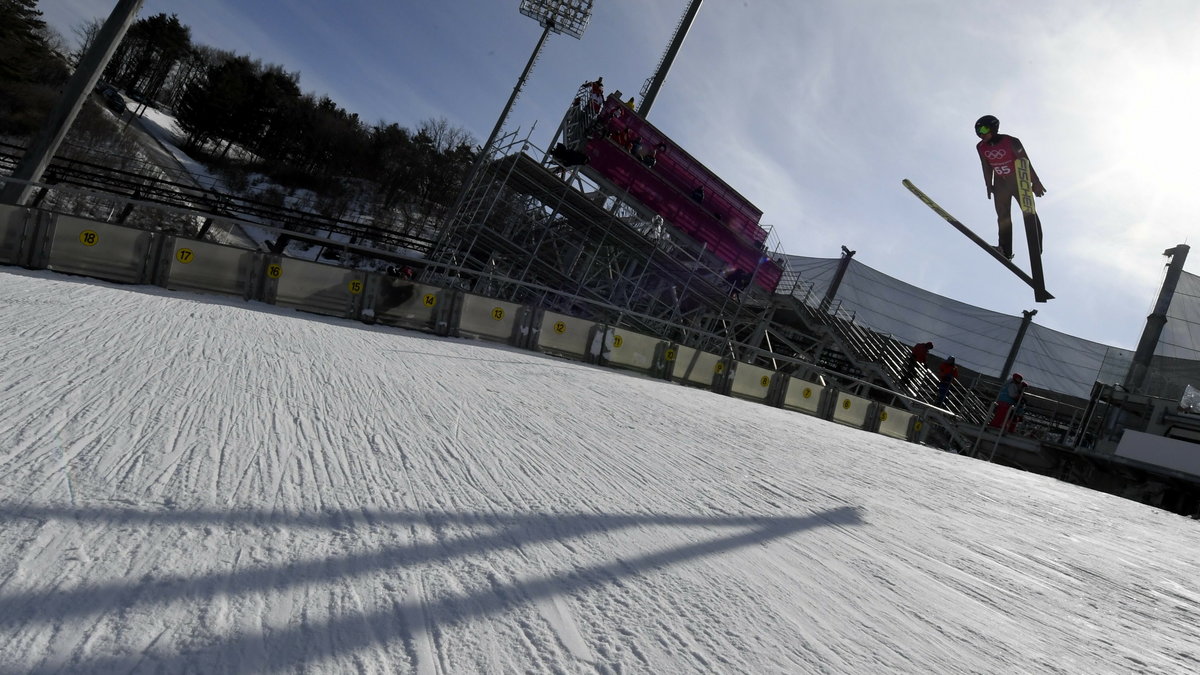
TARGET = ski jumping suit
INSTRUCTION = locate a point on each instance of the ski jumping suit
(998, 158)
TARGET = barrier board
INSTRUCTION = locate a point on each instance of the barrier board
(206, 267)
(13, 222)
(97, 249)
(894, 422)
(803, 395)
(487, 318)
(313, 287)
(851, 410)
(752, 382)
(626, 349)
(407, 304)
(694, 367)
(565, 334)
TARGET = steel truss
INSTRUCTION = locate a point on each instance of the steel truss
(535, 233)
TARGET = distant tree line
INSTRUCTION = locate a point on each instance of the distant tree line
(310, 141)
(243, 116)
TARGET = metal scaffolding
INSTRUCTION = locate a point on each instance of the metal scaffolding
(540, 230)
(532, 231)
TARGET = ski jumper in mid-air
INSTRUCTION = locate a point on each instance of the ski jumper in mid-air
(1007, 173)
(999, 154)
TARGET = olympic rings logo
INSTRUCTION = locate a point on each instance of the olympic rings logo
(995, 154)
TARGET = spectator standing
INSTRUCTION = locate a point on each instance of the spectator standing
(1007, 403)
(596, 94)
(920, 352)
(947, 374)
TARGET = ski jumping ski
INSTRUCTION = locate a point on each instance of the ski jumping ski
(1032, 231)
(1033, 222)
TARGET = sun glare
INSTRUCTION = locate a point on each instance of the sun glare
(1153, 108)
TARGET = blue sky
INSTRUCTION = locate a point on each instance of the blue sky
(816, 111)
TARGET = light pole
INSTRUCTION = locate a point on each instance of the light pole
(43, 146)
(1135, 379)
(568, 17)
(650, 89)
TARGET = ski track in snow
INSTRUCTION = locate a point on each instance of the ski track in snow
(193, 484)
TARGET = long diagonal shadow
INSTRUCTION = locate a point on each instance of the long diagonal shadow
(280, 649)
(514, 532)
(331, 519)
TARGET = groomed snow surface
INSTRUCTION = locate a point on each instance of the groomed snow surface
(190, 483)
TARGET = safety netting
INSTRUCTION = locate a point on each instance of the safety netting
(977, 338)
(1176, 360)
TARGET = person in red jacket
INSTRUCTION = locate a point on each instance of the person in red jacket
(997, 153)
(947, 374)
(920, 352)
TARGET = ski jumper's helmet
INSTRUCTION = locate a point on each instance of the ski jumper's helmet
(988, 124)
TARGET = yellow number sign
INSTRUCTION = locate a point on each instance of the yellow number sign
(274, 271)
(356, 287)
(498, 313)
(185, 255)
(560, 327)
(846, 404)
(429, 300)
(618, 341)
(669, 355)
(89, 238)
(765, 380)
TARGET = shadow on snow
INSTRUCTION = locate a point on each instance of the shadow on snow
(285, 647)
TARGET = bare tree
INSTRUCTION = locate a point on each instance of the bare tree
(54, 41)
(445, 137)
(86, 32)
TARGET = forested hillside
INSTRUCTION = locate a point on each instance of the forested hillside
(241, 116)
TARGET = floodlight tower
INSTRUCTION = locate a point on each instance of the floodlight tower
(558, 16)
(654, 83)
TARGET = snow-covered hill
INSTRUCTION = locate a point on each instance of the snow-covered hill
(197, 484)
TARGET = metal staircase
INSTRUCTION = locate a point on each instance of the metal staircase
(840, 344)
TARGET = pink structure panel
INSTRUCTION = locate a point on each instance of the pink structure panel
(701, 220)
(675, 165)
(725, 221)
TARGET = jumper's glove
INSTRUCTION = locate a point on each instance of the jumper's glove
(1038, 190)
(989, 189)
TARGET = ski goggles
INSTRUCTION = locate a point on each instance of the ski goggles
(983, 129)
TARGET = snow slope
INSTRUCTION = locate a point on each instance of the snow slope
(198, 484)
